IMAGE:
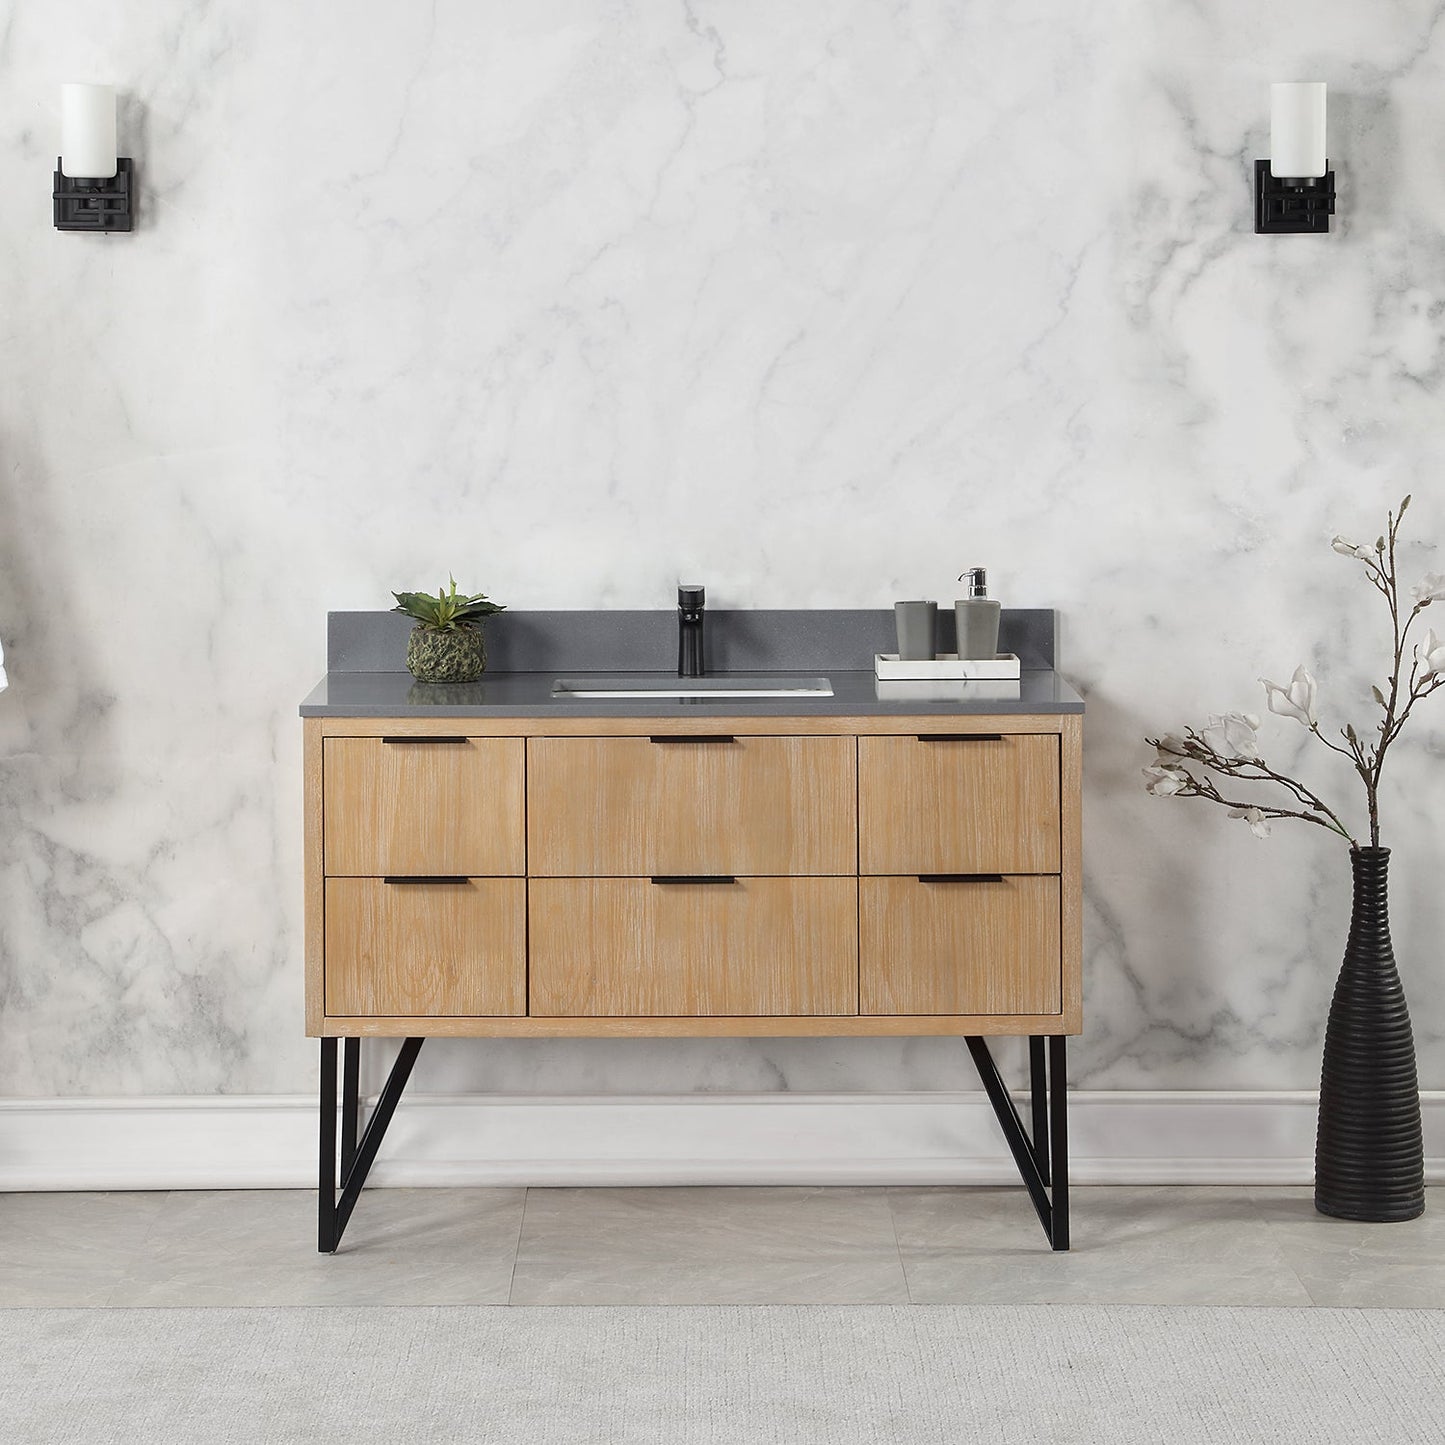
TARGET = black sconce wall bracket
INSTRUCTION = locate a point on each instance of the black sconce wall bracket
(96, 204)
(1292, 207)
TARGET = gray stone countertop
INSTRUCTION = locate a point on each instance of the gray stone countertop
(529, 694)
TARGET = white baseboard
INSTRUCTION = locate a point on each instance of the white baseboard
(261, 1142)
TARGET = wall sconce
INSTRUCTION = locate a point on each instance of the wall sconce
(92, 184)
(1294, 190)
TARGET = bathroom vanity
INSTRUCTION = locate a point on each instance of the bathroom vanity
(508, 859)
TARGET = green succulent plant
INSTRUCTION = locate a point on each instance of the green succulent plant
(448, 611)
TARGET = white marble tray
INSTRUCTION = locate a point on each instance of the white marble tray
(946, 666)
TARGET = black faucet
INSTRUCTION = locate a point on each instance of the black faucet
(691, 661)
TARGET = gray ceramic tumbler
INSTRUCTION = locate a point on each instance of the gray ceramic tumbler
(917, 624)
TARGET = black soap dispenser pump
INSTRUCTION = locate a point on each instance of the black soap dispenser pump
(977, 619)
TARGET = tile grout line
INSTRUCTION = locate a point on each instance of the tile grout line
(898, 1247)
(1284, 1260)
(517, 1246)
(125, 1275)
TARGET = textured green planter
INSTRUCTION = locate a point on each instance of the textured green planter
(457, 655)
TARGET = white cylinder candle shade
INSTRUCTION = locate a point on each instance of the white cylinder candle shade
(1297, 129)
(87, 131)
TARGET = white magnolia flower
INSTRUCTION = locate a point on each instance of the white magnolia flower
(1430, 650)
(1297, 700)
(1432, 589)
(1171, 746)
(1234, 735)
(1258, 823)
(1348, 549)
(1164, 782)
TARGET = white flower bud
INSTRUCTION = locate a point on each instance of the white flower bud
(1431, 589)
(1430, 651)
(1296, 701)
(1258, 823)
(1164, 782)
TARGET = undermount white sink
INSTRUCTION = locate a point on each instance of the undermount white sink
(665, 685)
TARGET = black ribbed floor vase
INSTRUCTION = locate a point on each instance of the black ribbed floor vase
(1369, 1154)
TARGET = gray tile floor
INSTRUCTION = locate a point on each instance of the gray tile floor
(710, 1246)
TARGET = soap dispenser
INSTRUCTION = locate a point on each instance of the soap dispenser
(977, 619)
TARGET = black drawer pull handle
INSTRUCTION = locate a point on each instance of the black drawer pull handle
(693, 878)
(960, 877)
(427, 878)
(426, 740)
(694, 738)
(960, 737)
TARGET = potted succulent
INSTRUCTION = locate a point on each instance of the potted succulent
(446, 645)
(1368, 1152)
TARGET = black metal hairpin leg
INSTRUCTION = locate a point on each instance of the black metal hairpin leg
(350, 1101)
(1045, 1157)
(1039, 1105)
(357, 1155)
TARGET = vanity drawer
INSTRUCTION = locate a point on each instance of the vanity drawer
(426, 949)
(625, 806)
(425, 805)
(977, 947)
(947, 803)
(632, 948)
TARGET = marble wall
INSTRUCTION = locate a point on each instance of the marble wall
(820, 303)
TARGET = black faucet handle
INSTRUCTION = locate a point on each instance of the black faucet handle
(691, 597)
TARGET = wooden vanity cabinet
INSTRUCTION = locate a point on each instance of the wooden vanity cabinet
(558, 876)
